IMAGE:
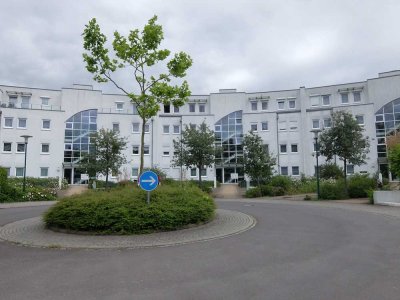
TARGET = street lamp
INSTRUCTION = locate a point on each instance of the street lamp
(316, 132)
(26, 137)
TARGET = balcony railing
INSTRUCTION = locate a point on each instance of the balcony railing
(129, 111)
(29, 106)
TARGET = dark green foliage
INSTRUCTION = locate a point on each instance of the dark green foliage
(257, 162)
(283, 182)
(330, 171)
(161, 174)
(359, 185)
(101, 184)
(253, 192)
(124, 210)
(394, 159)
(333, 190)
(195, 149)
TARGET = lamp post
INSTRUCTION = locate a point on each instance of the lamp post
(26, 137)
(316, 132)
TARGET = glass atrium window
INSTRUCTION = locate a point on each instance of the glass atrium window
(78, 129)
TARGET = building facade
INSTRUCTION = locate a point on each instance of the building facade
(60, 122)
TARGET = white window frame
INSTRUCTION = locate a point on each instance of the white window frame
(7, 119)
(280, 148)
(298, 171)
(292, 101)
(354, 96)
(165, 129)
(192, 105)
(20, 151)
(282, 125)
(262, 126)
(264, 105)
(287, 170)
(147, 128)
(47, 172)
(291, 148)
(202, 108)
(315, 100)
(41, 148)
(293, 125)
(174, 129)
(319, 123)
(19, 169)
(19, 121)
(327, 120)
(4, 151)
(254, 105)
(167, 108)
(146, 148)
(134, 124)
(252, 125)
(323, 99)
(203, 172)
(46, 100)
(281, 101)
(118, 103)
(350, 167)
(341, 98)
(363, 120)
(176, 109)
(191, 172)
(24, 103)
(135, 174)
(138, 149)
(43, 122)
(113, 124)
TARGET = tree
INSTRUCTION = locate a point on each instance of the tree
(106, 156)
(344, 139)
(393, 145)
(195, 148)
(138, 52)
(257, 162)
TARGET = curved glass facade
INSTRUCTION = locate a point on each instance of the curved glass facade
(77, 135)
(228, 137)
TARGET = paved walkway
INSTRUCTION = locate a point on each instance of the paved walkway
(32, 232)
(26, 204)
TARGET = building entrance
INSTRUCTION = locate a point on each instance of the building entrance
(73, 176)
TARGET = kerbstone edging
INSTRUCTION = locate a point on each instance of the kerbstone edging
(32, 232)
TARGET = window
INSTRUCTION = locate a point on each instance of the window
(12, 99)
(253, 127)
(284, 171)
(166, 129)
(146, 128)
(176, 129)
(7, 147)
(264, 126)
(44, 172)
(45, 101)
(264, 105)
(25, 101)
(281, 104)
(345, 98)
(176, 109)
(167, 108)
(350, 169)
(357, 96)
(45, 124)
(326, 100)
(283, 148)
(202, 108)
(135, 172)
(360, 119)
(165, 153)
(254, 106)
(193, 172)
(292, 104)
(295, 171)
(135, 127)
(203, 172)
(294, 148)
(266, 148)
(45, 148)
(327, 123)
(314, 100)
(19, 172)
(146, 149)
(135, 150)
(22, 123)
(21, 147)
(293, 125)
(192, 107)
(119, 105)
(8, 122)
(282, 125)
(115, 127)
(315, 124)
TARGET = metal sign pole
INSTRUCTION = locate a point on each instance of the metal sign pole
(148, 198)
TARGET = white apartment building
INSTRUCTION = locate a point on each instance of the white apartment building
(60, 121)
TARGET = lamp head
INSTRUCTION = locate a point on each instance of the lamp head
(26, 137)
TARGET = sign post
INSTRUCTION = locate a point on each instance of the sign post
(148, 181)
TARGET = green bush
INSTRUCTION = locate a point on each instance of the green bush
(123, 210)
(330, 171)
(253, 193)
(358, 185)
(333, 190)
(39, 194)
(303, 186)
(281, 181)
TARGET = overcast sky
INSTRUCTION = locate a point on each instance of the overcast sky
(248, 45)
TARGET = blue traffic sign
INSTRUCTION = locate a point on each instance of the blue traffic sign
(148, 181)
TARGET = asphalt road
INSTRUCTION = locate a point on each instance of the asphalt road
(294, 252)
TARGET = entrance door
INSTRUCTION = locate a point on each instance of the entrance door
(68, 175)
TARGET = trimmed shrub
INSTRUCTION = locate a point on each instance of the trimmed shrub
(303, 186)
(253, 193)
(358, 185)
(123, 210)
(333, 190)
(281, 181)
(330, 171)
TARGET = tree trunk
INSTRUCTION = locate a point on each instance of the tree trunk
(200, 183)
(107, 180)
(142, 146)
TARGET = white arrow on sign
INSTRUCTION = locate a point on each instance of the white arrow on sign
(151, 180)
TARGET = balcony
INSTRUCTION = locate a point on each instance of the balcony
(29, 106)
